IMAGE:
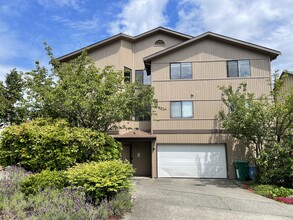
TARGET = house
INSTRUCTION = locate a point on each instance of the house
(288, 81)
(185, 140)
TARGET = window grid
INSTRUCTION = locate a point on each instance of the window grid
(181, 70)
(181, 109)
(141, 76)
(238, 68)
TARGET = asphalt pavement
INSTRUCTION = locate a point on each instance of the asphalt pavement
(176, 199)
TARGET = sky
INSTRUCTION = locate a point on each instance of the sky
(68, 25)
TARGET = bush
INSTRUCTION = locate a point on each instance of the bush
(101, 179)
(46, 179)
(53, 203)
(52, 144)
(121, 203)
(275, 165)
(281, 192)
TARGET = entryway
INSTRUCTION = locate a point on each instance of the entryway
(139, 155)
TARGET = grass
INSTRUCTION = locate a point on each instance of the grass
(262, 189)
(55, 203)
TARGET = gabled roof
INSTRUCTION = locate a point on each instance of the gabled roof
(126, 37)
(272, 53)
(290, 73)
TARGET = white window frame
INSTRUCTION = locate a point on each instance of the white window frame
(181, 70)
(239, 68)
(181, 109)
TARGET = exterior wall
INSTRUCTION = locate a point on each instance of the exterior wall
(145, 47)
(208, 58)
(137, 125)
(123, 53)
(288, 84)
(108, 55)
(209, 69)
(127, 55)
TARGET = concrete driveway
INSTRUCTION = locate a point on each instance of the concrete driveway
(201, 199)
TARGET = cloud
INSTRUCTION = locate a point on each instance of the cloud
(86, 25)
(265, 22)
(138, 16)
(75, 4)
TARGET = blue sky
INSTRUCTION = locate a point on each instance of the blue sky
(68, 25)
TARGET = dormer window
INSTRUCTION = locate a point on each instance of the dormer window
(160, 43)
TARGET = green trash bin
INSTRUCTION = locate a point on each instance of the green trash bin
(241, 170)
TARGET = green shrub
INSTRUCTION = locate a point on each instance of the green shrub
(281, 192)
(52, 144)
(101, 179)
(46, 179)
(52, 203)
(262, 189)
(275, 165)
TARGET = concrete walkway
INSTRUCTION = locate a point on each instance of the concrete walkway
(201, 199)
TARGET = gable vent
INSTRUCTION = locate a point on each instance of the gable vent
(159, 43)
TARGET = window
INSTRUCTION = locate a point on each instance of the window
(182, 109)
(238, 68)
(141, 76)
(127, 75)
(159, 43)
(181, 70)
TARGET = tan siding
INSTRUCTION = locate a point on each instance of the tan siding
(140, 125)
(107, 55)
(184, 124)
(288, 84)
(210, 50)
(201, 110)
(127, 54)
(145, 47)
(172, 90)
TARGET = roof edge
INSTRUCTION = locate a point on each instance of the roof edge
(273, 53)
(122, 36)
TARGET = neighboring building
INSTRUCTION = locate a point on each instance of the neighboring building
(185, 140)
(288, 81)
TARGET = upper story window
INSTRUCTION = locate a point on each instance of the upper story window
(141, 76)
(182, 109)
(238, 68)
(127, 75)
(159, 43)
(181, 70)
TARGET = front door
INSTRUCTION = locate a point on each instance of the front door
(139, 155)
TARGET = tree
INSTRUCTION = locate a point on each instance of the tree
(258, 121)
(11, 98)
(248, 119)
(283, 107)
(84, 95)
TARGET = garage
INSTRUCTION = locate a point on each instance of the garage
(197, 161)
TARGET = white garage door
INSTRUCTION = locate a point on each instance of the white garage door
(199, 161)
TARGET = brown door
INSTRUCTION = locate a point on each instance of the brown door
(141, 158)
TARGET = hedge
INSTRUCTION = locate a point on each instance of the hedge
(52, 144)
